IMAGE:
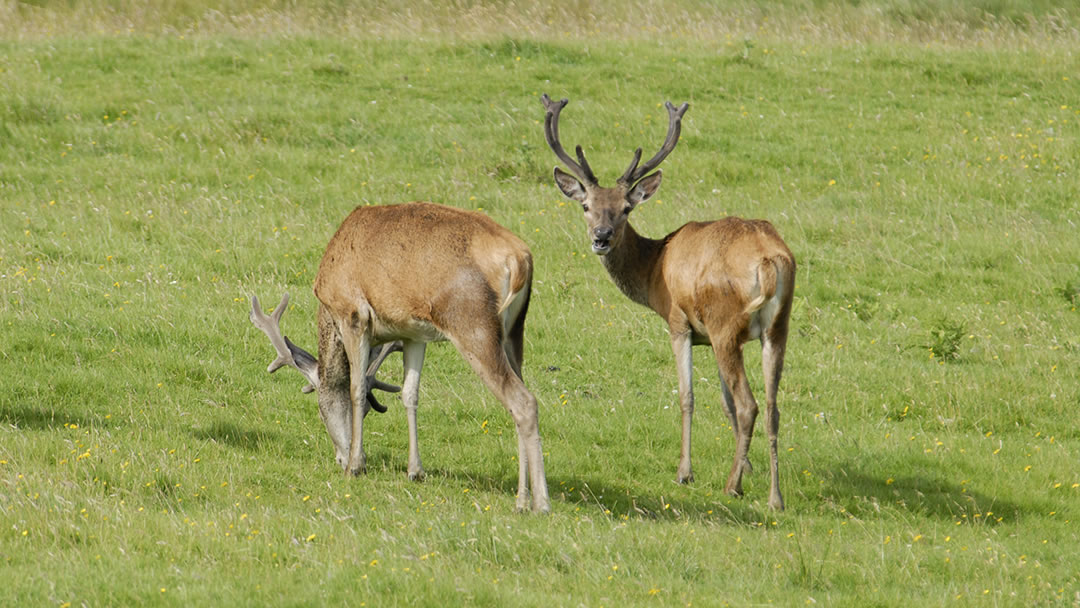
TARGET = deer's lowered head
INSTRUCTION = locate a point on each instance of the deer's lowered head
(291, 355)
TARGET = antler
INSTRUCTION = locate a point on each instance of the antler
(378, 355)
(633, 172)
(551, 134)
(287, 352)
(293, 356)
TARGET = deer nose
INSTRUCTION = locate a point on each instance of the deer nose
(603, 233)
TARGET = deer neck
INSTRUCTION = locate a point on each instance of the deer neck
(632, 264)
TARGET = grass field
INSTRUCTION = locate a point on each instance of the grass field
(921, 160)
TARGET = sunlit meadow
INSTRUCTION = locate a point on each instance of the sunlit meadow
(160, 165)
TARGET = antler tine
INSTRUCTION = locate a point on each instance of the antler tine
(270, 325)
(551, 134)
(280, 308)
(626, 176)
(379, 354)
(589, 175)
(634, 173)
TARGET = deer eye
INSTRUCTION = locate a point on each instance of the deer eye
(626, 210)
(585, 207)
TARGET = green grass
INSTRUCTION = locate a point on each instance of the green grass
(152, 179)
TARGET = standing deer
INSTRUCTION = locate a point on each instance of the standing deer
(417, 273)
(720, 283)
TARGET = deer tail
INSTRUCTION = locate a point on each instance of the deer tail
(766, 285)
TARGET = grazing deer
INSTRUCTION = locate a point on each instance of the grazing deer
(720, 283)
(412, 274)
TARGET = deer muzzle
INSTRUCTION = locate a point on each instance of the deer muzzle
(601, 243)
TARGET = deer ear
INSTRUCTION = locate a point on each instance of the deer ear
(644, 189)
(569, 185)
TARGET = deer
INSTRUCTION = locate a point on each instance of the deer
(720, 283)
(397, 277)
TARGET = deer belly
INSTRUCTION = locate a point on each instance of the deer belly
(414, 330)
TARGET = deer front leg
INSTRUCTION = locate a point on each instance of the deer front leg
(414, 362)
(682, 346)
(357, 342)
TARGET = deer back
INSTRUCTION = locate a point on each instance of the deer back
(417, 264)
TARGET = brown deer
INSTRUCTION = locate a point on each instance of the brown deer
(411, 274)
(720, 283)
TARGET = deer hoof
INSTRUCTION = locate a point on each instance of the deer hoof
(522, 505)
(776, 501)
(417, 475)
(685, 479)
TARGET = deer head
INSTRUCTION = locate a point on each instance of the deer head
(291, 355)
(607, 209)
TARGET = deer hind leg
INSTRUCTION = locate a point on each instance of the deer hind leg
(410, 395)
(682, 346)
(729, 409)
(484, 351)
(356, 338)
(772, 362)
(730, 362)
(514, 345)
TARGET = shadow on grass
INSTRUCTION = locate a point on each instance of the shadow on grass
(39, 419)
(230, 434)
(669, 501)
(851, 489)
(850, 493)
(927, 495)
(603, 498)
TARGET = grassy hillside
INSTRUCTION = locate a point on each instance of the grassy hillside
(158, 168)
(950, 22)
